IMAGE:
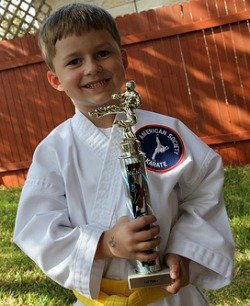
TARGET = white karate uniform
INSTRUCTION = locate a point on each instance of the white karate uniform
(74, 191)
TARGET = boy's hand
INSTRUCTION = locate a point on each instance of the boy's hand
(130, 239)
(179, 272)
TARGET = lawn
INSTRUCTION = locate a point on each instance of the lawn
(22, 283)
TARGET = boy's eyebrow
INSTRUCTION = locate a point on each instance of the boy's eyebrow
(103, 45)
(77, 53)
(70, 55)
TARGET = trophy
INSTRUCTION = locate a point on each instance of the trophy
(145, 274)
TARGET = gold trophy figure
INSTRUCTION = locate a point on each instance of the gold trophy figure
(130, 100)
(146, 274)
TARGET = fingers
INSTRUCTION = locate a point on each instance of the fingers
(174, 287)
(173, 262)
(179, 272)
(147, 234)
(142, 228)
(134, 239)
(145, 246)
(143, 222)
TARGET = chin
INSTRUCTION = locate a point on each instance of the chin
(107, 102)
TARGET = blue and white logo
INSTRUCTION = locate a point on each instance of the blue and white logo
(162, 146)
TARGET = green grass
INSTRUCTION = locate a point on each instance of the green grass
(237, 196)
(22, 283)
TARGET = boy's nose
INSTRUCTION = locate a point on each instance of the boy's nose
(92, 67)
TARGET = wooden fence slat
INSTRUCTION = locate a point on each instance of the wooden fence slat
(230, 6)
(176, 81)
(25, 116)
(176, 14)
(18, 115)
(230, 98)
(153, 20)
(242, 5)
(244, 156)
(206, 89)
(163, 17)
(192, 50)
(134, 71)
(240, 76)
(241, 40)
(186, 13)
(216, 74)
(222, 8)
(212, 9)
(199, 11)
(9, 115)
(6, 134)
(166, 78)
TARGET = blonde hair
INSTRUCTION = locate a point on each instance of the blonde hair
(73, 19)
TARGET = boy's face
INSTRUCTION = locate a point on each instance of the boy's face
(89, 68)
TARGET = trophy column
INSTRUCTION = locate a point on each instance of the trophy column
(145, 274)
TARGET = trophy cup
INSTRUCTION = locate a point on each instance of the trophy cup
(145, 274)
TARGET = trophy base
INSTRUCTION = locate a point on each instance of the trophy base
(136, 280)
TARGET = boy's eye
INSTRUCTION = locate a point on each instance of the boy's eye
(74, 62)
(103, 54)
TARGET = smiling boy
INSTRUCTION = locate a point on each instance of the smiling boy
(72, 217)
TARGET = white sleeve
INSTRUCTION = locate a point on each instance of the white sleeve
(43, 230)
(202, 232)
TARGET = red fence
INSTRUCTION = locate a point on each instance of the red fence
(189, 60)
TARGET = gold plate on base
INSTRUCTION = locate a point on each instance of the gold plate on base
(136, 280)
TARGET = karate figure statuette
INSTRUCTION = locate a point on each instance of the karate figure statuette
(146, 274)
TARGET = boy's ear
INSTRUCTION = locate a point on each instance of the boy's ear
(54, 81)
(124, 58)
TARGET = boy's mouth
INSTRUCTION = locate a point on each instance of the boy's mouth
(97, 84)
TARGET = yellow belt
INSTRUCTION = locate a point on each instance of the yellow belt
(117, 293)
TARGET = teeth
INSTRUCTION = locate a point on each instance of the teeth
(96, 85)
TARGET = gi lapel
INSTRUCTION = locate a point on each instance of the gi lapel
(110, 184)
(90, 134)
(110, 188)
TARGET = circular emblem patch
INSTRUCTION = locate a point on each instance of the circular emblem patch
(162, 146)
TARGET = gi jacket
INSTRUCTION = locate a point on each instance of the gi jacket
(74, 191)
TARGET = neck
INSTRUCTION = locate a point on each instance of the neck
(102, 122)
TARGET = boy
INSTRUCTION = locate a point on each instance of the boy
(72, 217)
